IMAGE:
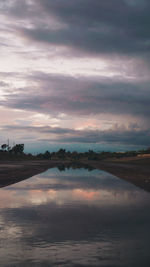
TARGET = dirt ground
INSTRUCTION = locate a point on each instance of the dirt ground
(134, 170)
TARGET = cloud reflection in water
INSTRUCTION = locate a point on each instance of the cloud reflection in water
(74, 217)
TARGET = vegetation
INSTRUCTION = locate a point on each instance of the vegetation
(17, 153)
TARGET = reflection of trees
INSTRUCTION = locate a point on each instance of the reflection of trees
(74, 165)
(61, 167)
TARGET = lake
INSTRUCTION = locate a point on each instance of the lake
(74, 217)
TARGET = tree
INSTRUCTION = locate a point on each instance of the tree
(47, 155)
(4, 146)
(61, 153)
(18, 149)
(75, 155)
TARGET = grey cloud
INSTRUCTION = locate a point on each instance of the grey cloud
(116, 137)
(96, 27)
(132, 135)
(113, 137)
(62, 94)
(43, 129)
(11, 74)
(115, 26)
(16, 8)
(85, 27)
(3, 84)
(88, 41)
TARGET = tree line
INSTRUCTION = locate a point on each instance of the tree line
(18, 151)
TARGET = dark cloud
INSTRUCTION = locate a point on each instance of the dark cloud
(109, 137)
(61, 94)
(113, 26)
(116, 26)
(42, 129)
(132, 135)
(83, 28)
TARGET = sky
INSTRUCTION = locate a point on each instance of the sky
(75, 74)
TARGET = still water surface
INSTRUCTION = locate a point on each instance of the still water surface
(74, 218)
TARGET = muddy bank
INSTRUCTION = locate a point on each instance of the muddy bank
(134, 171)
(15, 171)
(131, 170)
(12, 172)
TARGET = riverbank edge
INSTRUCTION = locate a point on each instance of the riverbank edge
(134, 171)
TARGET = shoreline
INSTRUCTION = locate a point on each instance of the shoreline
(133, 170)
(15, 171)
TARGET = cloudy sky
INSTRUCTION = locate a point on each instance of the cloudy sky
(75, 74)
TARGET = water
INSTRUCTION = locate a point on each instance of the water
(74, 218)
